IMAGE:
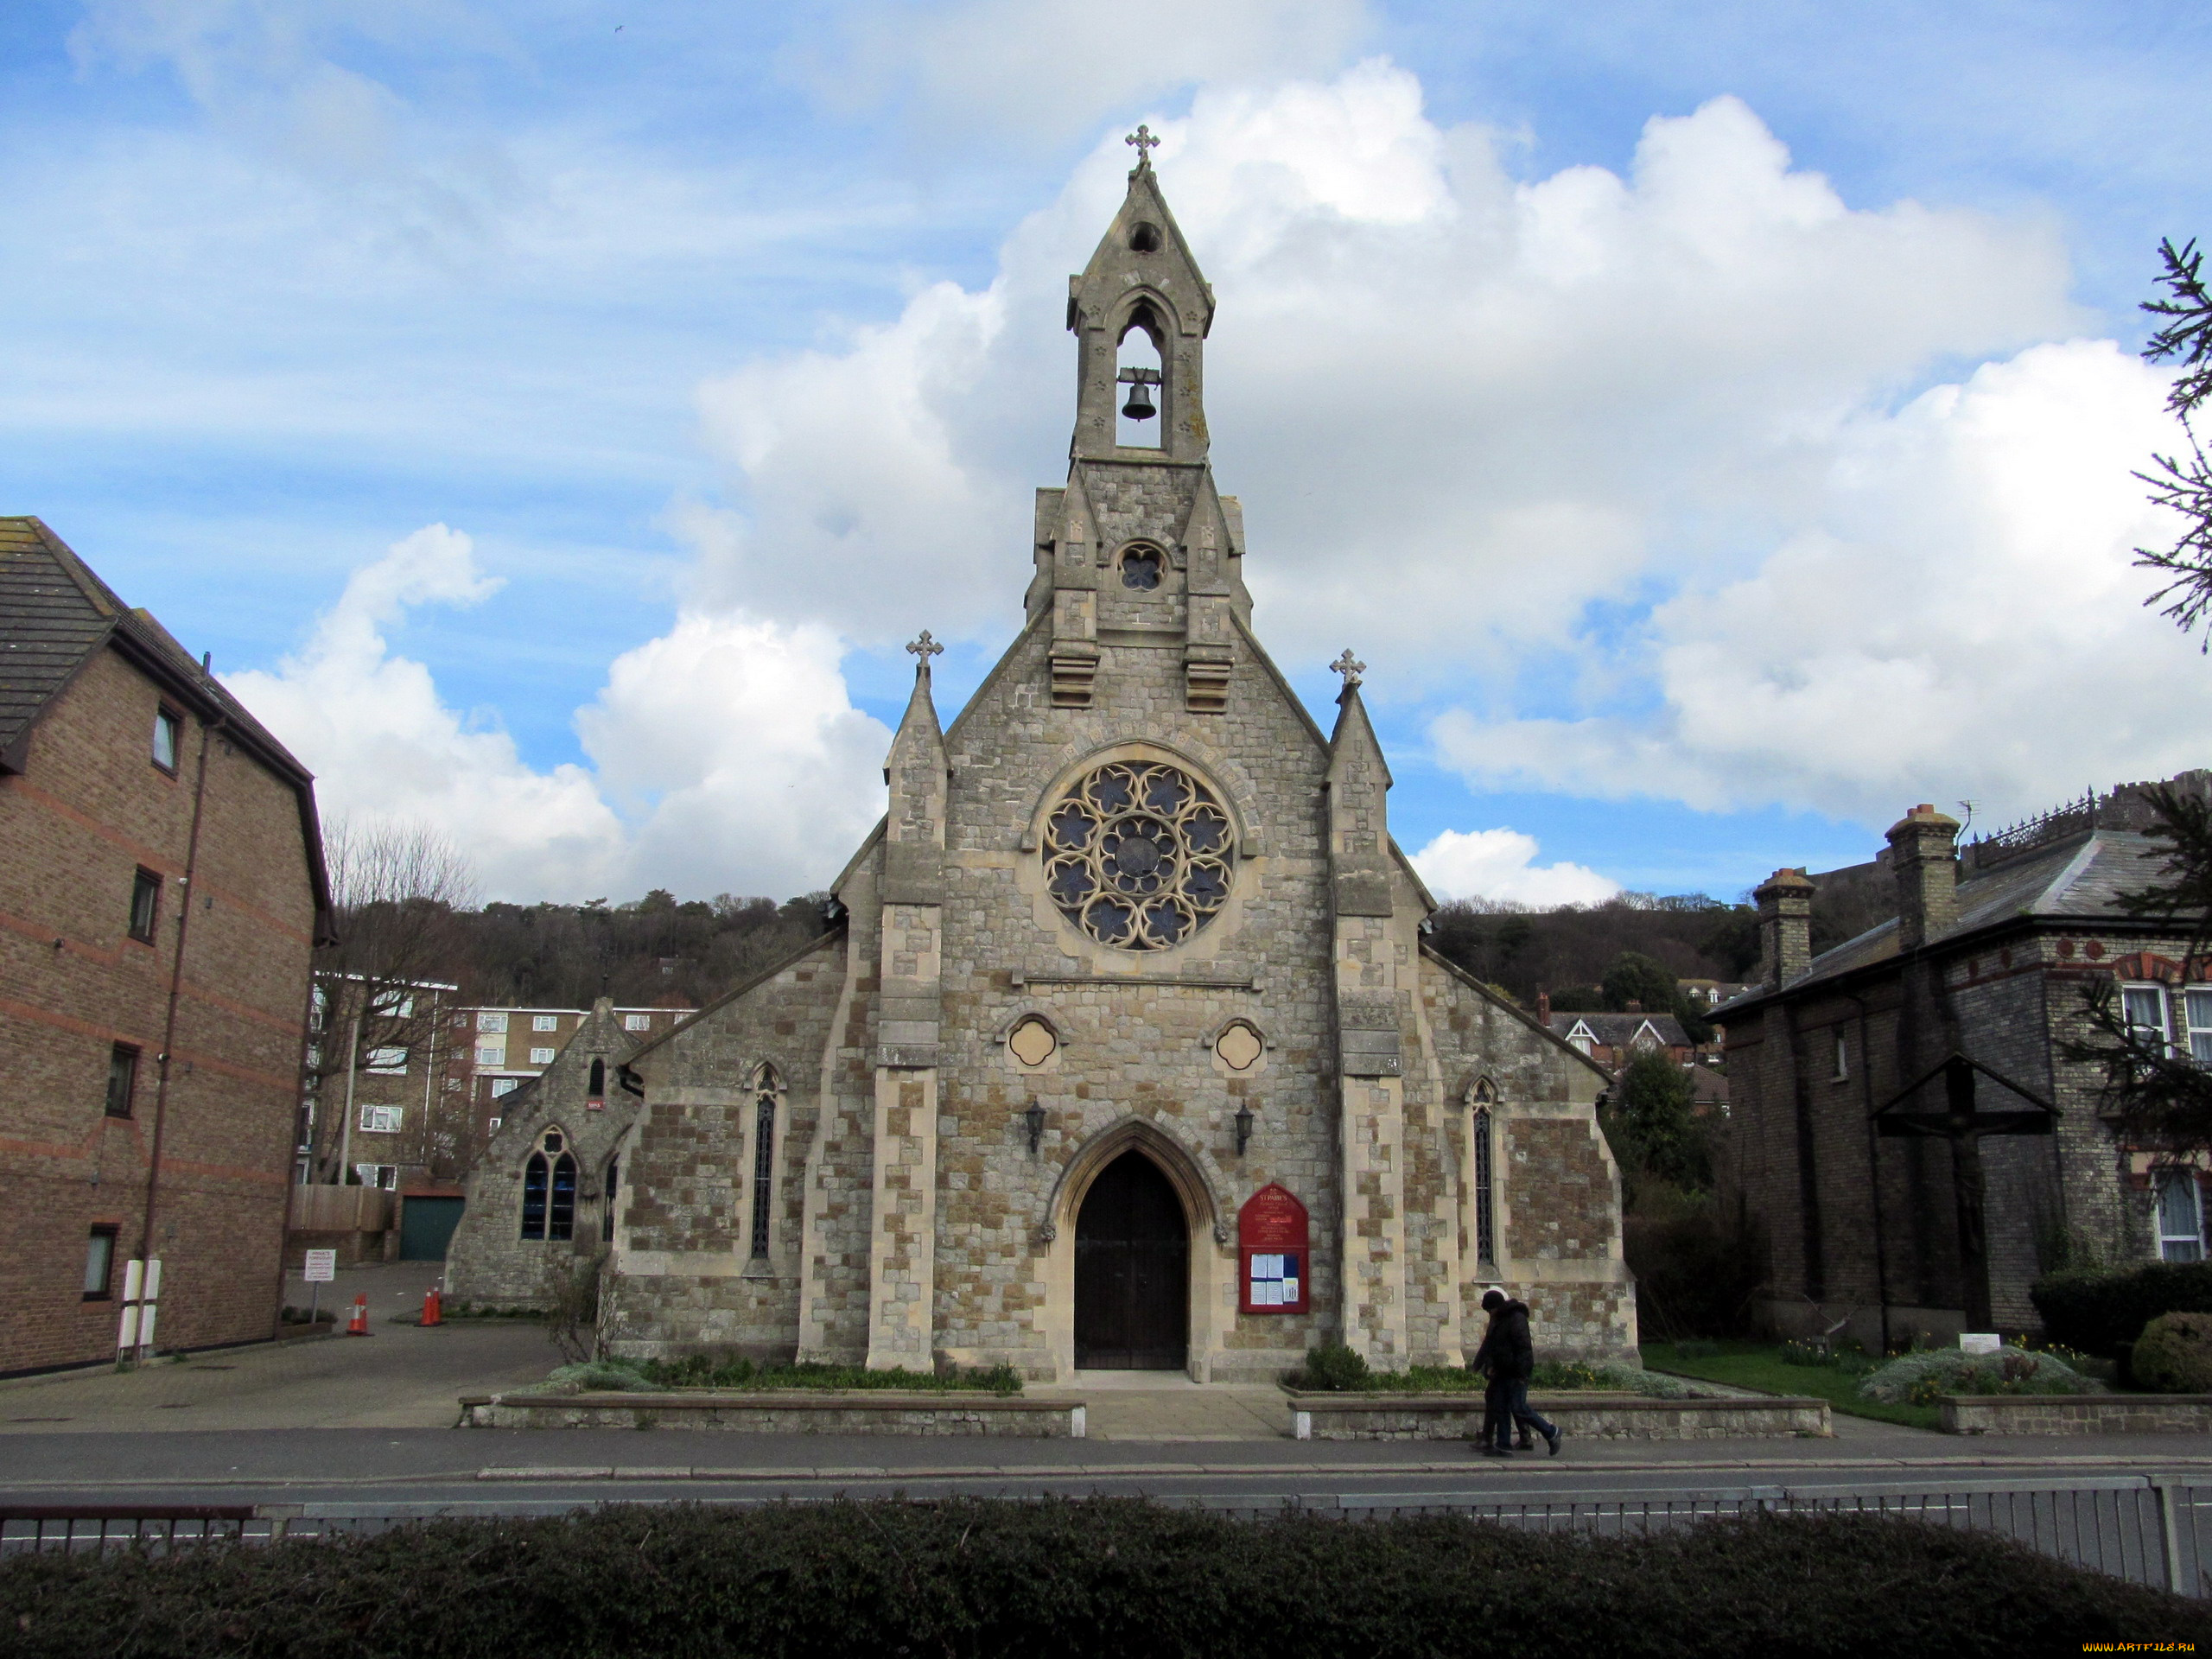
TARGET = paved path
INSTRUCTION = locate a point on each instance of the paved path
(399, 1376)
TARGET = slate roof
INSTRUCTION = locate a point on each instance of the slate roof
(2079, 879)
(1618, 1030)
(57, 614)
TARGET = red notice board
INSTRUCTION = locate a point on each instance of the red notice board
(1273, 1265)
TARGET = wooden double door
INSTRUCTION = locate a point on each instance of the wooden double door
(1132, 1271)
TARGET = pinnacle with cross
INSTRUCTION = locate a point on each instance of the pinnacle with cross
(1143, 139)
(924, 648)
(1350, 670)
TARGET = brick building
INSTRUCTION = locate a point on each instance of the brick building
(160, 892)
(1988, 958)
(1126, 1050)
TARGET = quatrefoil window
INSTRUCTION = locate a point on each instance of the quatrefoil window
(1138, 854)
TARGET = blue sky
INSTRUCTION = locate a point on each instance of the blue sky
(1709, 423)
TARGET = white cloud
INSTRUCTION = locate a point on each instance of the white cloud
(1052, 67)
(730, 746)
(1459, 408)
(1955, 617)
(1612, 465)
(1500, 864)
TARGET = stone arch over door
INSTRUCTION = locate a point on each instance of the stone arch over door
(1212, 1265)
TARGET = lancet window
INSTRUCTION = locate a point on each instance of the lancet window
(764, 1159)
(549, 1190)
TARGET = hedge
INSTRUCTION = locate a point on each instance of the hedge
(2101, 1312)
(1106, 1577)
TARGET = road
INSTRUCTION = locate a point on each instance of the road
(367, 1425)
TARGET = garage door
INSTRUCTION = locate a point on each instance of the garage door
(426, 1227)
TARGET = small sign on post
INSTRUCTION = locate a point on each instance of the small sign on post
(1980, 1342)
(322, 1269)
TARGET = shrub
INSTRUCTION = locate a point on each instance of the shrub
(970, 1578)
(2099, 1311)
(2174, 1354)
(1332, 1369)
(711, 1371)
(1918, 1378)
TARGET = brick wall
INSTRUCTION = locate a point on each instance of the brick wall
(91, 809)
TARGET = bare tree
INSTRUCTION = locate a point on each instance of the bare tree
(395, 886)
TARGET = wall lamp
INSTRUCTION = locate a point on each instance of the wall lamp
(1033, 1121)
(1243, 1128)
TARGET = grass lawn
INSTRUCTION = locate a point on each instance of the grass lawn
(1759, 1365)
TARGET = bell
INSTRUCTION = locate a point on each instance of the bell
(1139, 408)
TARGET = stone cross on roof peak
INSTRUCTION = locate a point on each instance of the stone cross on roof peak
(1146, 143)
(1350, 670)
(924, 648)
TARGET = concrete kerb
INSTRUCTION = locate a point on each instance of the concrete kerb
(1584, 1416)
(787, 1411)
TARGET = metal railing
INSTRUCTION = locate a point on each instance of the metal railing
(2147, 1529)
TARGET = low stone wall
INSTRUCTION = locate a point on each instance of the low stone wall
(2073, 1414)
(786, 1411)
(1589, 1416)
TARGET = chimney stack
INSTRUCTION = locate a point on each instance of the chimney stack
(1544, 1007)
(1924, 856)
(1785, 902)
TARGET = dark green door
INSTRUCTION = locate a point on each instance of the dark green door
(426, 1227)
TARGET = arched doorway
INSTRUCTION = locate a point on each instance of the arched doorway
(1132, 1271)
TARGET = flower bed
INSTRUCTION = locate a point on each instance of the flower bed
(723, 1374)
(1924, 1378)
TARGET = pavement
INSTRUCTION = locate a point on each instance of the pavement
(369, 1423)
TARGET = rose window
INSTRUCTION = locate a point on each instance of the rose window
(1138, 856)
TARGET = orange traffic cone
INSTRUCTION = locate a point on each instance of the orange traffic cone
(359, 1325)
(434, 1312)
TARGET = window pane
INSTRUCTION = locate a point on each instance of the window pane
(122, 1079)
(99, 1264)
(165, 739)
(145, 901)
(2179, 1217)
(545, 1022)
(2145, 1007)
(561, 1219)
(533, 1197)
(491, 1022)
(2199, 1004)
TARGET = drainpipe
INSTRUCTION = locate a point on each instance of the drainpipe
(176, 987)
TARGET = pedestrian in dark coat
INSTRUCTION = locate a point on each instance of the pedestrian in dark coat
(1485, 1365)
(1511, 1353)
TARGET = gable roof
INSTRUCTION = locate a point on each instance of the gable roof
(1619, 1030)
(2080, 879)
(56, 615)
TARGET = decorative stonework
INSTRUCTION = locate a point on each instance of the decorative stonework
(1139, 855)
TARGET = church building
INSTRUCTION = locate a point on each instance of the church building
(1125, 1049)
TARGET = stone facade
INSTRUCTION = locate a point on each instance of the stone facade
(880, 1151)
(1865, 1230)
(152, 1056)
(493, 1259)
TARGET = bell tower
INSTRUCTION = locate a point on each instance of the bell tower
(1141, 287)
(1138, 546)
